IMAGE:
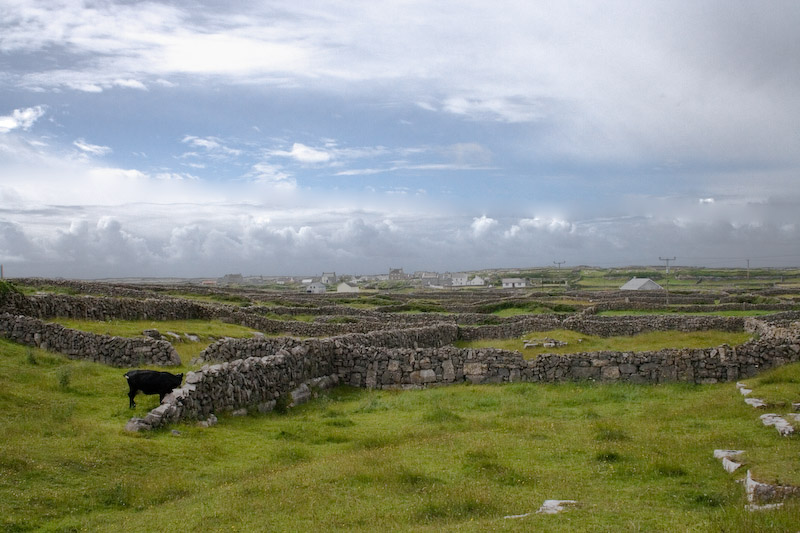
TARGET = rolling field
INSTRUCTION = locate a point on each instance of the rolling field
(636, 458)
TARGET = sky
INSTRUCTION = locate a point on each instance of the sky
(195, 139)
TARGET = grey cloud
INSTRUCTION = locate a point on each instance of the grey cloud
(363, 243)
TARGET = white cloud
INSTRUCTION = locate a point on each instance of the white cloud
(482, 225)
(213, 145)
(130, 84)
(305, 154)
(271, 174)
(92, 149)
(21, 118)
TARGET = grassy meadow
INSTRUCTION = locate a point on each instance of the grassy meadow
(580, 342)
(205, 331)
(637, 458)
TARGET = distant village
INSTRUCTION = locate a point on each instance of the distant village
(333, 282)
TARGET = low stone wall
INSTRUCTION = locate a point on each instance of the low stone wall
(600, 326)
(256, 381)
(693, 308)
(327, 348)
(114, 351)
(98, 308)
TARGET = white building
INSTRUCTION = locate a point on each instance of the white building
(477, 281)
(641, 284)
(316, 288)
(344, 287)
(514, 283)
(459, 280)
(329, 278)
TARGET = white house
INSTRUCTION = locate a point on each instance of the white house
(459, 280)
(641, 284)
(477, 281)
(514, 283)
(329, 278)
(316, 288)
(344, 287)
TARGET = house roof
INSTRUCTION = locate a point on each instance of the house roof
(641, 284)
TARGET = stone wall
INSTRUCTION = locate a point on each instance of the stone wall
(114, 351)
(600, 326)
(99, 308)
(256, 382)
(327, 348)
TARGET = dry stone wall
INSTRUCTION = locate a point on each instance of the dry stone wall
(256, 382)
(326, 348)
(98, 308)
(114, 351)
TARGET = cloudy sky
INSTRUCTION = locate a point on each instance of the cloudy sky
(278, 137)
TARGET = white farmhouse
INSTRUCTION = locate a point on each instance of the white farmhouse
(477, 281)
(514, 283)
(641, 284)
(459, 280)
(316, 288)
(344, 287)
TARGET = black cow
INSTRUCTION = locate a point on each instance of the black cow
(151, 382)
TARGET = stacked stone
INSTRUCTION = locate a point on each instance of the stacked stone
(511, 328)
(231, 349)
(633, 325)
(114, 351)
(624, 305)
(358, 360)
(255, 382)
(97, 308)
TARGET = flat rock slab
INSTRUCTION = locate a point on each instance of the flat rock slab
(722, 454)
(725, 455)
(780, 423)
(755, 402)
(555, 506)
(730, 466)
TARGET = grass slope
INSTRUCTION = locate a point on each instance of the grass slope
(455, 458)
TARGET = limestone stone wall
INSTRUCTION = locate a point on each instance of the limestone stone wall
(256, 382)
(114, 351)
(601, 326)
(102, 308)
(326, 348)
(252, 383)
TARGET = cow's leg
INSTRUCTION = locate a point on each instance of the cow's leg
(161, 397)
(131, 394)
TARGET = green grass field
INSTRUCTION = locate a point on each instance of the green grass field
(649, 341)
(206, 331)
(637, 458)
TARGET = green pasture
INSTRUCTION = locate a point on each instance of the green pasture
(206, 331)
(580, 342)
(459, 458)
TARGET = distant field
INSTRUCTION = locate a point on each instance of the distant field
(654, 340)
(207, 331)
(459, 458)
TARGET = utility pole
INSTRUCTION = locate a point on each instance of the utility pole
(667, 259)
(748, 269)
(559, 263)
